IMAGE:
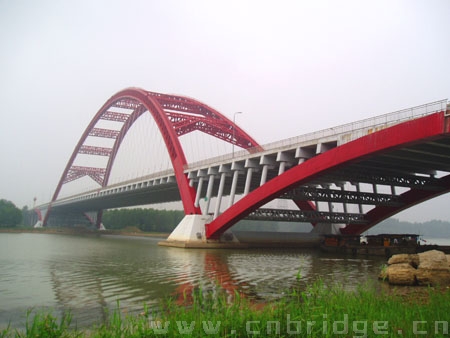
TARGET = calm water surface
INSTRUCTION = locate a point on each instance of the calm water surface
(88, 275)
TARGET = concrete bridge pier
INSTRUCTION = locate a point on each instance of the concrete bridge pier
(38, 224)
(190, 233)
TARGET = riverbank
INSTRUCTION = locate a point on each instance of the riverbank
(318, 311)
(128, 231)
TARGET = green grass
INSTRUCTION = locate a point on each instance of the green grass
(318, 311)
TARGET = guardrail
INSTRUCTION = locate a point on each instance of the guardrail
(373, 122)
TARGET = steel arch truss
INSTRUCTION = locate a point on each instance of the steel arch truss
(174, 116)
(410, 161)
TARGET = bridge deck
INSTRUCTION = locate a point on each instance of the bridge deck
(418, 166)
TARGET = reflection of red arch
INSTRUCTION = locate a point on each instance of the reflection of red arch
(174, 116)
(428, 127)
(218, 273)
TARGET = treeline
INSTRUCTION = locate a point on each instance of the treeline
(433, 229)
(150, 220)
(10, 215)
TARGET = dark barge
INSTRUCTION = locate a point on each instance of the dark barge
(376, 245)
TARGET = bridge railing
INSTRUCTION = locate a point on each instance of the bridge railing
(374, 123)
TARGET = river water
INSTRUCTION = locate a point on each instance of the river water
(90, 275)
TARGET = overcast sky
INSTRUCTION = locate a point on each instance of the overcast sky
(292, 67)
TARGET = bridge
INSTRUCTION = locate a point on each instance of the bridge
(344, 179)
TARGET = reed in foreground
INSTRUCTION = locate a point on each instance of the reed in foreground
(319, 311)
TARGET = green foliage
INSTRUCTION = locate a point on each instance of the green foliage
(145, 219)
(10, 215)
(317, 311)
(43, 324)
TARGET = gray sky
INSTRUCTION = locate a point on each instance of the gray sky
(292, 67)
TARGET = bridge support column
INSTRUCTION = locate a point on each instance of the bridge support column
(220, 194)
(248, 180)
(190, 233)
(209, 191)
(199, 191)
(281, 168)
(264, 174)
(266, 162)
(233, 187)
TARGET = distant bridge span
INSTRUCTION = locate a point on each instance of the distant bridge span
(349, 177)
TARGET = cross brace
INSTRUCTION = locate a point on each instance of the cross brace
(305, 216)
(106, 133)
(90, 150)
(113, 116)
(389, 179)
(333, 195)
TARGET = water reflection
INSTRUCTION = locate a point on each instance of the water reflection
(90, 275)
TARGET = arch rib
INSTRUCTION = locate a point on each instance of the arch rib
(174, 116)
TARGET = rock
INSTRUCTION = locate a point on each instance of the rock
(397, 259)
(411, 259)
(432, 277)
(427, 268)
(433, 260)
(433, 268)
(401, 274)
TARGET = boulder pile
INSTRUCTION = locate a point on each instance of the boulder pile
(427, 268)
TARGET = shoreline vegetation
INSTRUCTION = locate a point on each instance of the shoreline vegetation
(317, 311)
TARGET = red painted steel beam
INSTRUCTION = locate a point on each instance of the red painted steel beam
(106, 133)
(113, 116)
(139, 101)
(410, 132)
(125, 103)
(173, 146)
(77, 172)
(91, 150)
(306, 206)
(205, 119)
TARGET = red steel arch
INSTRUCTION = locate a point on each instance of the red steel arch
(426, 128)
(174, 116)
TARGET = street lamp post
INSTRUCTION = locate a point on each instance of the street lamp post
(234, 123)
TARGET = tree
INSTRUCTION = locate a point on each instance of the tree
(10, 215)
(144, 219)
